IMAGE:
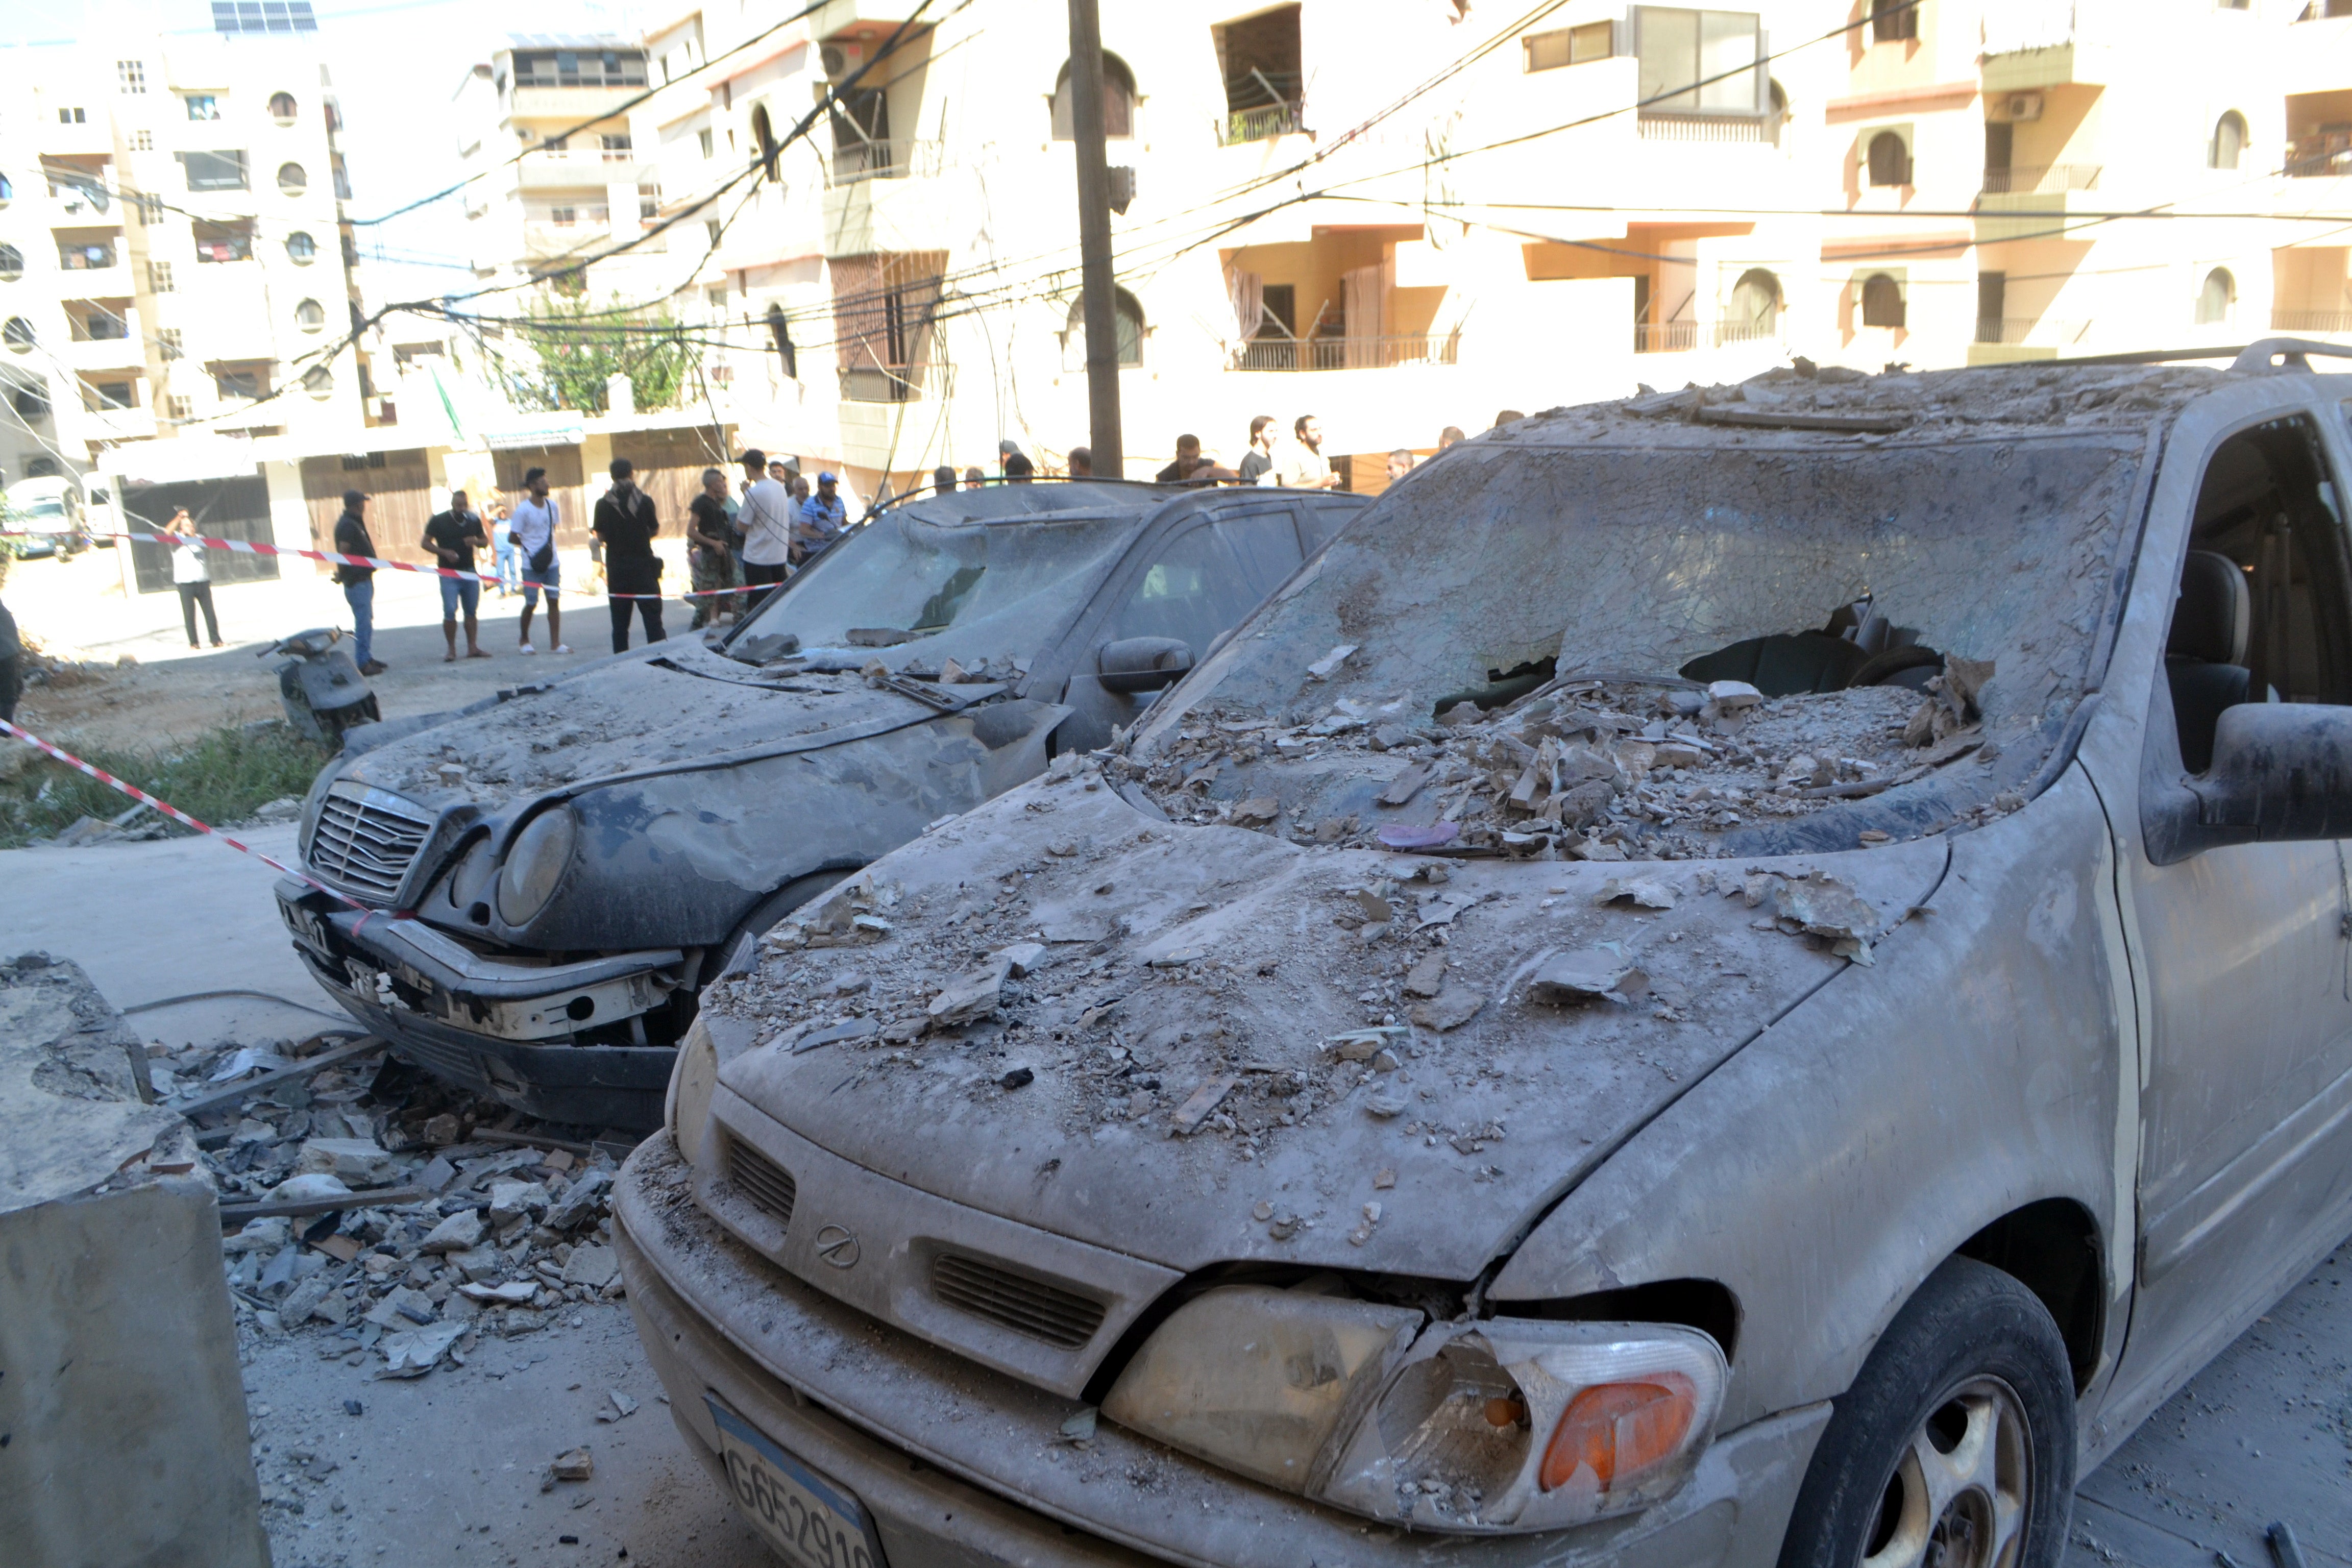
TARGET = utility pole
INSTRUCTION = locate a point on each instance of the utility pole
(1101, 304)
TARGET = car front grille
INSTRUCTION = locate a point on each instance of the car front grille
(1063, 1318)
(768, 1186)
(365, 839)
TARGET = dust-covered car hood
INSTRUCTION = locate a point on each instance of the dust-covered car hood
(1211, 1049)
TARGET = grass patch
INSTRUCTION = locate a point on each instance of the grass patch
(222, 778)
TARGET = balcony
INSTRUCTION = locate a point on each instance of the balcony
(105, 337)
(1262, 124)
(97, 424)
(2032, 44)
(2011, 339)
(2030, 211)
(900, 159)
(575, 103)
(1728, 333)
(1719, 128)
(578, 169)
(2049, 179)
(84, 255)
(895, 383)
(1348, 353)
(1665, 337)
(2324, 155)
(2326, 322)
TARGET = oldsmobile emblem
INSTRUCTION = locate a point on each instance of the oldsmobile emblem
(837, 1246)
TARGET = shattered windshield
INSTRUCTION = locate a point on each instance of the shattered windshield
(907, 577)
(1620, 640)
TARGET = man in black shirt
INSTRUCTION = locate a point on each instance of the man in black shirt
(451, 538)
(710, 553)
(625, 523)
(359, 582)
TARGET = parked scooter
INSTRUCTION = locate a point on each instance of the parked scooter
(323, 690)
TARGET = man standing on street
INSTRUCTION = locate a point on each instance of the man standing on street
(193, 575)
(625, 523)
(1258, 461)
(359, 582)
(452, 537)
(1306, 467)
(944, 478)
(821, 519)
(710, 553)
(502, 559)
(766, 521)
(534, 542)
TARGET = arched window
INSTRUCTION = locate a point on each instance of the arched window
(281, 108)
(310, 315)
(292, 180)
(1755, 308)
(2214, 300)
(1882, 301)
(18, 334)
(1890, 161)
(2229, 141)
(11, 264)
(1130, 329)
(319, 382)
(1778, 117)
(1118, 100)
(763, 136)
(300, 247)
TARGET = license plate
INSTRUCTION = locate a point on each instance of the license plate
(809, 1521)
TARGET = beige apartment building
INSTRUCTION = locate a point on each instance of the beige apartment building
(1400, 215)
(173, 250)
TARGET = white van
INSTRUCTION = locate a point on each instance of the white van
(43, 517)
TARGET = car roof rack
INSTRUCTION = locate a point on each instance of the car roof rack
(2245, 359)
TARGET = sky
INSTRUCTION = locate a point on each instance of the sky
(395, 64)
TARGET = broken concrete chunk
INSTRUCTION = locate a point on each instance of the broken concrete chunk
(512, 1201)
(580, 1200)
(1374, 907)
(1733, 695)
(1424, 978)
(1256, 811)
(591, 1267)
(357, 1162)
(572, 1464)
(1202, 1103)
(260, 1236)
(461, 1232)
(1649, 892)
(1360, 1045)
(970, 995)
(1449, 1009)
(1022, 958)
(412, 1352)
(1386, 1102)
(309, 1189)
(1583, 975)
(512, 1293)
(1323, 668)
(1404, 786)
(1461, 715)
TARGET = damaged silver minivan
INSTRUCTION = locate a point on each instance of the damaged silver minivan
(1761, 995)
(569, 864)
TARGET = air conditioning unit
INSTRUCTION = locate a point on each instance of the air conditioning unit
(840, 60)
(2022, 105)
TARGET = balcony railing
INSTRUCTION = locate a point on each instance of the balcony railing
(1665, 337)
(1728, 332)
(85, 258)
(895, 383)
(2326, 156)
(1348, 353)
(1703, 127)
(900, 159)
(1263, 124)
(2311, 321)
(2044, 180)
(2016, 329)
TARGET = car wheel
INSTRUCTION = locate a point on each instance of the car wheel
(1955, 1447)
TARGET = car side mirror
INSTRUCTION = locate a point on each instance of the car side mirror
(1142, 664)
(2281, 773)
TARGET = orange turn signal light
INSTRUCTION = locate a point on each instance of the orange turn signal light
(1618, 1430)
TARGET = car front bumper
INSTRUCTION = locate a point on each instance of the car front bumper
(961, 1465)
(504, 1030)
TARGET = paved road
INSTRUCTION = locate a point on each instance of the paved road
(2264, 1433)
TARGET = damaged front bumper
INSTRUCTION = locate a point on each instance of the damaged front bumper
(957, 1463)
(509, 1031)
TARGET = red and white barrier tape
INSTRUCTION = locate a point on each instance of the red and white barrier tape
(176, 814)
(250, 547)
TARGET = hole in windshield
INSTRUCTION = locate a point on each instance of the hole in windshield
(938, 611)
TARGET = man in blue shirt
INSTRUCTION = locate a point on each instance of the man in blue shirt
(821, 519)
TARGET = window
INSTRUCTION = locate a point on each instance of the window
(1569, 45)
(101, 326)
(218, 242)
(714, 228)
(1691, 61)
(883, 308)
(1882, 301)
(2229, 141)
(579, 68)
(168, 340)
(142, 141)
(1206, 579)
(1130, 329)
(85, 257)
(342, 176)
(1892, 21)
(11, 264)
(71, 117)
(562, 217)
(292, 179)
(223, 171)
(203, 106)
(1992, 306)
(2214, 300)
(18, 334)
(179, 409)
(132, 75)
(32, 402)
(158, 278)
(617, 149)
(1754, 309)
(1264, 79)
(108, 394)
(281, 108)
(702, 139)
(1118, 100)
(571, 283)
(310, 315)
(300, 248)
(149, 209)
(245, 384)
(319, 382)
(649, 203)
(1889, 162)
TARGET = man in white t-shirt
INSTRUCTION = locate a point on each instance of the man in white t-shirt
(765, 519)
(191, 575)
(534, 545)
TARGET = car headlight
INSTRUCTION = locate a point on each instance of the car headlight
(691, 1081)
(1509, 1424)
(535, 863)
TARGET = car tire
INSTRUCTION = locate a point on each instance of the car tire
(1956, 1444)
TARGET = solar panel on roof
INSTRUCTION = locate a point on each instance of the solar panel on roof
(262, 17)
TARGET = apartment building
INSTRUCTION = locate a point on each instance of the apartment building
(543, 121)
(1399, 215)
(173, 250)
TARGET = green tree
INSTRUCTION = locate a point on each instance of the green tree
(575, 346)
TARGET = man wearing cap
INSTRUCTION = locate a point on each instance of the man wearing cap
(359, 582)
(625, 523)
(765, 521)
(821, 519)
